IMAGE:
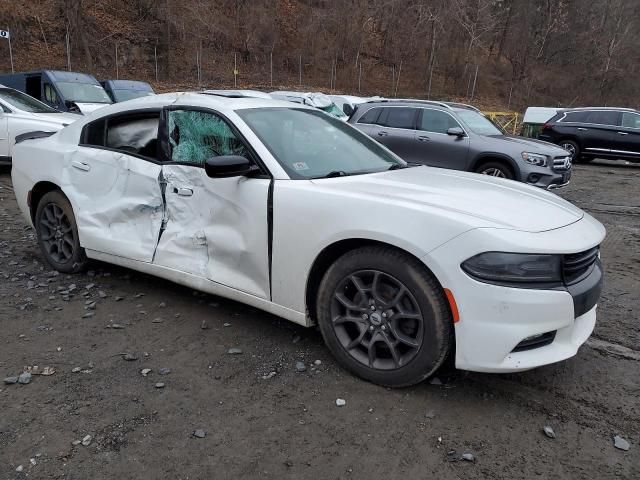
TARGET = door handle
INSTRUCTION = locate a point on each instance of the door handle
(85, 167)
(582, 129)
(623, 133)
(382, 134)
(183, 191)
(423, 138)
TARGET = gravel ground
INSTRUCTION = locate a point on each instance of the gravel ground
(255, 415)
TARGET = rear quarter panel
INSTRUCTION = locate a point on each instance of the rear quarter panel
(36, 161)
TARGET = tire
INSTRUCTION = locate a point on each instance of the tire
(57, 234)
(406, 350)
(573, 148)
(495, 169)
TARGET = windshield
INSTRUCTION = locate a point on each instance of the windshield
(124, 95)
(478, 123)
(83, 92)
(334, 110)
(309, 144)
(24, 102)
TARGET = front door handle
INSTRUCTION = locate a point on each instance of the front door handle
(623, 133)
(382, 134)
(582, 129)
(85, 167)
(183, 191)
(423, 138)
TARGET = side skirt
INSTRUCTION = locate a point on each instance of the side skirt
(203, 285)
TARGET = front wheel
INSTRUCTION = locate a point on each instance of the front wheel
(57, 234)
(384, 316)
(495, 169)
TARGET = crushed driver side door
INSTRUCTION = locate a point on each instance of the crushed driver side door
(215, 228)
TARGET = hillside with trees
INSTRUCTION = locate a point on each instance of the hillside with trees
(507, 53)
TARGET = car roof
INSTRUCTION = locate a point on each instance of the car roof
(196, 99)
(238, 93)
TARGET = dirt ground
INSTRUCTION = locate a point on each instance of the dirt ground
(287, 425)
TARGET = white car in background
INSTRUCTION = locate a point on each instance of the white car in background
(347, 103)
(20, 113)
(287, 209)
(312, 99)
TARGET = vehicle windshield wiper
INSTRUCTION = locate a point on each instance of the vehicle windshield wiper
(334, 173)
(397, 166)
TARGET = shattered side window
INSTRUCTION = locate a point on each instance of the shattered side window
(196, 136)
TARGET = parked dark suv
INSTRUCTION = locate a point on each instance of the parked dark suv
(457, 136)
(590, 133)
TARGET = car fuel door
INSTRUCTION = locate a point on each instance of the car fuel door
(215, 228)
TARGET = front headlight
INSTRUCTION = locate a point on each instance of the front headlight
(514, 268)
(535, 159)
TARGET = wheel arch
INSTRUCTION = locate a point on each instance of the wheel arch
(38, 191)
(496, 157)
(331, 253)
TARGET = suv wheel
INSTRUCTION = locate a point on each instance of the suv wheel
(495, 169)
(384, 316)
(572, 147)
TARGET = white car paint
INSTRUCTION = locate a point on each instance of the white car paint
(353, 100)
(216, 238)
(87, 108)
(15, 121)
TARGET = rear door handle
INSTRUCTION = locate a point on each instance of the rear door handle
(623, 133)
(423, 138)
(382, 134)
(582, 129)
(183, 191)
(85, 167)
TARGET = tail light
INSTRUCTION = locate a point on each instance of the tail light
(546, 126)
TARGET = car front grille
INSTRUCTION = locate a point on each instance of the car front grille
(577, 266)
(561, 164)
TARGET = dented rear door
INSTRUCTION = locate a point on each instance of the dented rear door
(117, 201)
(214, 228)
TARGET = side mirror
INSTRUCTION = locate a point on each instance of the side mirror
(347, 109)
(228, 166)
(456, 131)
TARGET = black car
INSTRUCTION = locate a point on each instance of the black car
(589, 133)
(460, 137)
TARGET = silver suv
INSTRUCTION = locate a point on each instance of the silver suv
(460, 137)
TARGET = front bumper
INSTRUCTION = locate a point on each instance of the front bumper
(494, 319)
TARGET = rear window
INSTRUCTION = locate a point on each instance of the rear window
(370, 116)
(571, 117)
(131, 133)
(398, 117)
(603, 117)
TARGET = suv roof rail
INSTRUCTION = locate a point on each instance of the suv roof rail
(447, 105)
(627, 109)
(408, 100)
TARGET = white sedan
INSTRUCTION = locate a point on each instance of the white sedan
(282, 207)
(20, 113)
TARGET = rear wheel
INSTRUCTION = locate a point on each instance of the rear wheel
(573, 148)
(384, 316)
(495, 169)
(57, 234)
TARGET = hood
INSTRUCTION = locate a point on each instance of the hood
(486, 201)
(90, 107)
(522, 144)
